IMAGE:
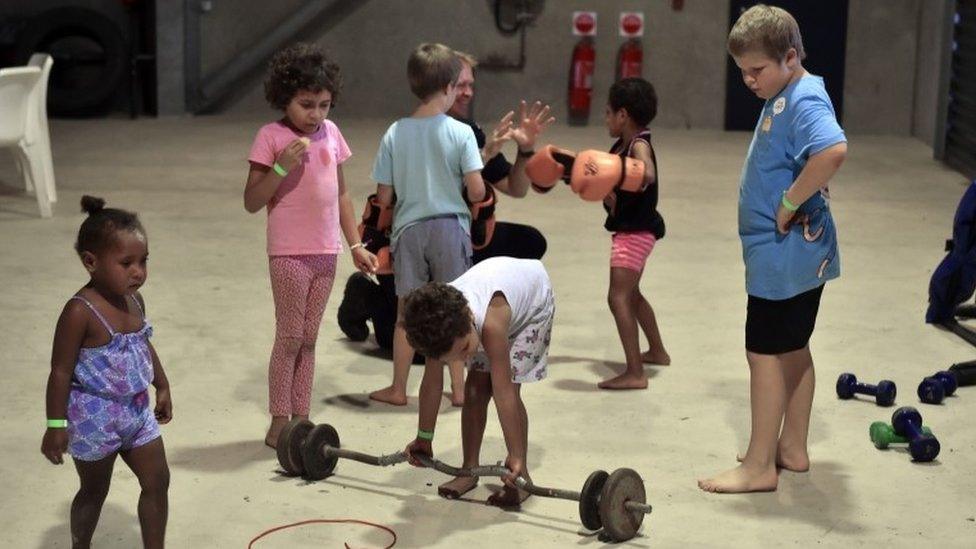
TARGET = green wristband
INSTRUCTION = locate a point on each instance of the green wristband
(279, 170)
(789, 205)
(425, 435)
(57, 423)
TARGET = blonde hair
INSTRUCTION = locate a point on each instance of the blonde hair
(467, 58)
(767, 29)
(431, 68)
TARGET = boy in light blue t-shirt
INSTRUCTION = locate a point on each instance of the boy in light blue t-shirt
(789, 242)
(428, 162)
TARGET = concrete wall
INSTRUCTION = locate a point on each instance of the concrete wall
(879, 75)
(931, 33)
(684, 56)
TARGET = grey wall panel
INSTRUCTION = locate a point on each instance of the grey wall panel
(880, 69)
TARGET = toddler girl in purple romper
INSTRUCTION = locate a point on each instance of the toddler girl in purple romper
(108, 407)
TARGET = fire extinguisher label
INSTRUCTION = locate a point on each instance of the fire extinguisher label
(584, 23)
(583, 74)
(631, 24)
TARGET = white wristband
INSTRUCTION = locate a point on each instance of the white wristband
(356, 245)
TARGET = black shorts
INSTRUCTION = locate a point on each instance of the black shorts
(775, 327)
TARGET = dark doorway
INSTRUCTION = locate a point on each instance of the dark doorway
(823, 25)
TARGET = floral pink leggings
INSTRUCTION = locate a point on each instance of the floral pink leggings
(301, 285)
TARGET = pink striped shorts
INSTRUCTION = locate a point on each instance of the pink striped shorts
(630, 250)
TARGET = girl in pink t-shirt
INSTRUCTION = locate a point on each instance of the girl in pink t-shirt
(296, 171)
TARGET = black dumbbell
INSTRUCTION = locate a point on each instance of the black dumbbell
(933, 389)
(908, 423)
(965, 373)
(884, 392)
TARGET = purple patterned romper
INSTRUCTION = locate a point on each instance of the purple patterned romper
(108, 407)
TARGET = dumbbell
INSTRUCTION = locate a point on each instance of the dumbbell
(614, 501)
(884, 392)
(933, 389)
(883, 434)
(907, 422)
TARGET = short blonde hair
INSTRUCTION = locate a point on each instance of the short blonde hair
(767, 29)
(431, 68)
(467, 58)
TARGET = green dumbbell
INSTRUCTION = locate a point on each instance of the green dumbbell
(883, 434)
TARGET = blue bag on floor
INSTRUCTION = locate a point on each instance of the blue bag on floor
(954, 280)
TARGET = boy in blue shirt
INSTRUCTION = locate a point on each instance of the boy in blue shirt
(789, 242)
(428, 159)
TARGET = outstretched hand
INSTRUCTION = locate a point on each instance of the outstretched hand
(499, 135)
(532, 121)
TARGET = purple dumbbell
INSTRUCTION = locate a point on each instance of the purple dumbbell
(884, 392)
(933, 389)
(908, 423)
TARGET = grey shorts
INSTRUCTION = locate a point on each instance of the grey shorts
(433, 250)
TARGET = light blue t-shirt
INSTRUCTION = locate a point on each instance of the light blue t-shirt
(424, 160)
(794, 125)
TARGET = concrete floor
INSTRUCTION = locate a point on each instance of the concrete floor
(209, 299)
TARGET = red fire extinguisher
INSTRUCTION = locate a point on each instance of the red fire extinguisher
(630, 59)
(581, 81)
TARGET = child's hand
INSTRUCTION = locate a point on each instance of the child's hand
(291, 156)
(498, 137)
(784, 218)
(517, 468)
(365, 260)
(419, 447)
(531, 124)
(54, 445)
(164, 406)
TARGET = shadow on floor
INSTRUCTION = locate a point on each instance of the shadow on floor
(220, 458)
(117, 527)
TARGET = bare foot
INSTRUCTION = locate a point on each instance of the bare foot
(389, 396)
(796, 461)
(457, 487)
(508, 497)
(659, 358)
(277, 424)
(741, 479)
(625, 381)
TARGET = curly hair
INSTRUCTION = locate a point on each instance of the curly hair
(434, 317)
(98, 230)
(300, 67)
(637, 96)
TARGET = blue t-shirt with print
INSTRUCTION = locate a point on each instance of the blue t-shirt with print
(795, 124)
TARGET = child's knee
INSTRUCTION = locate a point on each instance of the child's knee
(290, 344)
(156, 481)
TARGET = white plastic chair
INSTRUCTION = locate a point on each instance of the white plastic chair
(16, 86)
(37, 129)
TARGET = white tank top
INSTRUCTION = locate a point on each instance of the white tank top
(524, 283)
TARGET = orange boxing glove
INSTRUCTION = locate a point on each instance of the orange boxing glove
(596, 174)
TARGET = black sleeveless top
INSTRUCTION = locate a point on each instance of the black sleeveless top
(636, 211)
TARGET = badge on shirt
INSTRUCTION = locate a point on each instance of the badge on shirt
(767, 124)
(779, 105)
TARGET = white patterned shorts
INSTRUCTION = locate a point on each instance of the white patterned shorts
(528, 350)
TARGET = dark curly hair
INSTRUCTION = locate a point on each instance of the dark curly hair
(98, 230)
(637, 96)
(434, 317)
(300, 67)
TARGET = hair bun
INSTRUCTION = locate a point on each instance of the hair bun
(92, 204)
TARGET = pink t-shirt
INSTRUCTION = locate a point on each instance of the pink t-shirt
(303, 215)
